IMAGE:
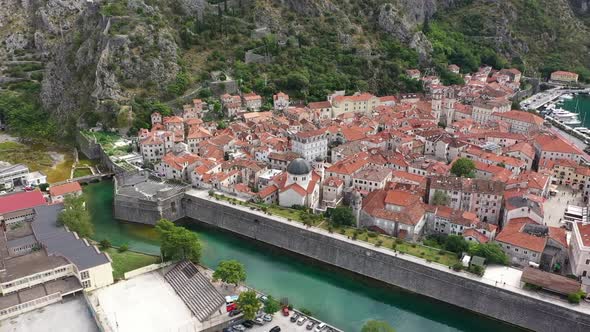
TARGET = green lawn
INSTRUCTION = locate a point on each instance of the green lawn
(414, 249)
(128, 261)
(428, 253)
(292, 214)
(82, 171)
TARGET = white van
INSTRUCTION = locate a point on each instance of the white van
(319, 327)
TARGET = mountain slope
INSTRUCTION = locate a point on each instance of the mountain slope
(98, 57)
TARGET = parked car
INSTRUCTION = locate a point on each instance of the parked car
(319, 327)
(294, 318)
(235, 312)
(239, 327)
(231, 307)
(249, 324)
(285, 311)
(301, 320)
(267, 318)
(275, 329)
(259, 321)
(310, 325)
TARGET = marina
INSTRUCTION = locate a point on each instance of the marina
(566, 110)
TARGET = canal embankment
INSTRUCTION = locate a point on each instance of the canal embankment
(431, 280)
(340, 297)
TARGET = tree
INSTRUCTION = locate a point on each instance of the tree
(177, 243)
(440, 198)
(105, 244)
(342, 216)
(249, 304)
(456, 244)
(492, 252)
(76, 217)
(463, 167)
(230, 272)
(271, 306)
(377, 326)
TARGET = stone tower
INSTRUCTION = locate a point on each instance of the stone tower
(357, 204)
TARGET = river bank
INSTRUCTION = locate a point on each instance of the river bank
(340, 298)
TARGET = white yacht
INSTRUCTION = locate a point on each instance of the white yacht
(583, 130)
(567, 96)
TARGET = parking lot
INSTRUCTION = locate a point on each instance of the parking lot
(284, 323)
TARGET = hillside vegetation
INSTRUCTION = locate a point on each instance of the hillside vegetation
(157, 55)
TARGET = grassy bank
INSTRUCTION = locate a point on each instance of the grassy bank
(38, 158)
(129, 261)
(381, 240)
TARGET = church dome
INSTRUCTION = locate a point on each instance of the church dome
(299, 167)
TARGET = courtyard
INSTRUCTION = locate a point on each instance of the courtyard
(555, 206)
(144, 303)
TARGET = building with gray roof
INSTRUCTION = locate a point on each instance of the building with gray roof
(43, 261)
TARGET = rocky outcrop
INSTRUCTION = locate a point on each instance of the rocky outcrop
(106, 60)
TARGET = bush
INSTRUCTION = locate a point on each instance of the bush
(476, 269)
(458, 267)
(305, 311)
(532, 286)
(372, 234)
(394, 246)
(399, 241)
(576, 297)
(123, 248)
(378, 243)
(105, 244)
(44, 186)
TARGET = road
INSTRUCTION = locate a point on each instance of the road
(542, 98)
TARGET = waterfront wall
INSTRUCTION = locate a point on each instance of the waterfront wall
(130, 208)
(90, 147)
(452, 288)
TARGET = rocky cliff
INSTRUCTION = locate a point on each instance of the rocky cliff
(100, 55)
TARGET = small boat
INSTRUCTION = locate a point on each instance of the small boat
(567, 96)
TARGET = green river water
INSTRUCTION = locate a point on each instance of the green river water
(579, 104)
(335, 296)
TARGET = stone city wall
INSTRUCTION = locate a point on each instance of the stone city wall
(448, 287)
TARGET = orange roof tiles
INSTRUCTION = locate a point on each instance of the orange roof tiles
(66, 188)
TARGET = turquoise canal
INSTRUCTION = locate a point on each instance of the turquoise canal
(334, 296)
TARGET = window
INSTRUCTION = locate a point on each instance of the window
(516, 249)
(84, 275)
(587, 261)
(86, 284)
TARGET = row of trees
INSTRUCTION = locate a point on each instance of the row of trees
(458, 245)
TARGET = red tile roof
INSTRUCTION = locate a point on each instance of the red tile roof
(21, 201)
(66, 188)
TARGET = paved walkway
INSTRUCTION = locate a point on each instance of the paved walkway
(489, 279)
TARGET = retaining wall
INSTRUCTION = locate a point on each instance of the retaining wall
(451, 288)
